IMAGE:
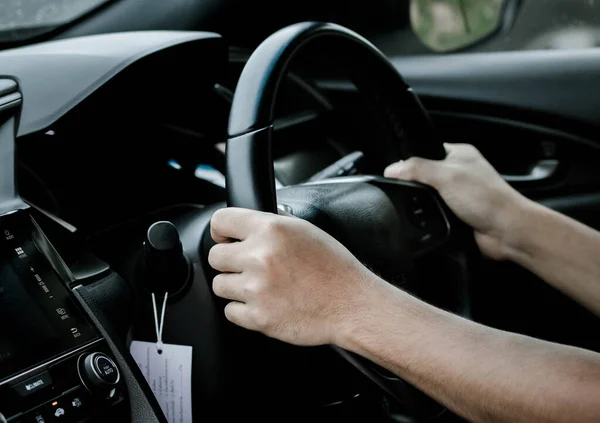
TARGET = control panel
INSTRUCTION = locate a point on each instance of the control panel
(429, 226)
(75, 388)
(424, 220)
(54, 364)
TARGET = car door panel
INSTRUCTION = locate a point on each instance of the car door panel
(520, 108)
(558, 83)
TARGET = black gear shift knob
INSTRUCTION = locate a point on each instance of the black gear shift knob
(163, 266)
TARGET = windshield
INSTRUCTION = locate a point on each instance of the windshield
(22, 19)
(536, 24)
(441, 25)
(551, 24)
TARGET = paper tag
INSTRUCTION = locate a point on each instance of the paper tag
(169, 375)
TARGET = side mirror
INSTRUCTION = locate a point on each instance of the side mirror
(447, 25)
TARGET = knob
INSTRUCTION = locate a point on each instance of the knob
(99, 373)
(164, 267)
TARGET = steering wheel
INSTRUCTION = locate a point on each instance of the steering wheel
(385, 223)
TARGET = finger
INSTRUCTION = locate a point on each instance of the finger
(238, 313)
(234, 223)
(227, 257)
(229, 286)
(450, 147)
(461, 152)
(430, 172)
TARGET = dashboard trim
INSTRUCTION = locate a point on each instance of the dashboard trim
(49, 362)
(56, 76)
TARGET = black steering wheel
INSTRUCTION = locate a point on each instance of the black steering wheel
(385, 223)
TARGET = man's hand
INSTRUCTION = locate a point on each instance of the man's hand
(286, 278)
(474, 191)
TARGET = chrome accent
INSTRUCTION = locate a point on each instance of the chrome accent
(542, 170)
(94, 362)
(48, 363)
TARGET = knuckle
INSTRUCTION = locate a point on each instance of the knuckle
(253, 289)
(472, 149)
(265, 258)
(471, 152)
(273, 226)
(213, 256)
(261, 320)
(412, 170)
(411, 167)
(217, 217)
(229, 314)
(467, 151)
(217, 285)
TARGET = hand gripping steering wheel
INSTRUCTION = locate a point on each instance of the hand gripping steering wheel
(385, 223)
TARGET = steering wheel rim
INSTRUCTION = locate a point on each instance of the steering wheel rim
(250, 172)
(251, 181)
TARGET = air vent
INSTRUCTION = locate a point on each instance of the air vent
(9, 94)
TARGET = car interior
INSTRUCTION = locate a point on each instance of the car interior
(126, 126)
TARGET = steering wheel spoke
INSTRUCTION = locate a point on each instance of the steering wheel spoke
(421, 212)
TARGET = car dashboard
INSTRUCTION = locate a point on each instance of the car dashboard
(103, 136)
(116, 132)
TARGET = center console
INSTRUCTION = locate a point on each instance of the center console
(54, 364)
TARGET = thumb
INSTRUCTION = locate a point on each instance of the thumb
(429, 172)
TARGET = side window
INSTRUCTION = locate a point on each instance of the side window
(22, 19)
(494, 25)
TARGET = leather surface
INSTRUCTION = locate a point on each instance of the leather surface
(361, 217)
(251, 182)
(250, 173)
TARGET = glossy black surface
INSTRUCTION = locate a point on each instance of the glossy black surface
(251, 182)
(162, 265)
(39, 318)
(374, 218)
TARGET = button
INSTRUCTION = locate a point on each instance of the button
(58, 411)
(40, 415)
(107, 370)
(77, 404)
(33, 384)
(419, 208)
(99, 374)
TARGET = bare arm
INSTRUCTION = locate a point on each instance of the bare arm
(508, 226)
(562, 251)
(291, 281)
(483, 374)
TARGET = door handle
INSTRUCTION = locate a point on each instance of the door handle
(542, 170)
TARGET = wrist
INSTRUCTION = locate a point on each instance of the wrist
(380, 304)
(515, 227)
(359, 306)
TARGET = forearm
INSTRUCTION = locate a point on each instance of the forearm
(562, 251)
(481, 373)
